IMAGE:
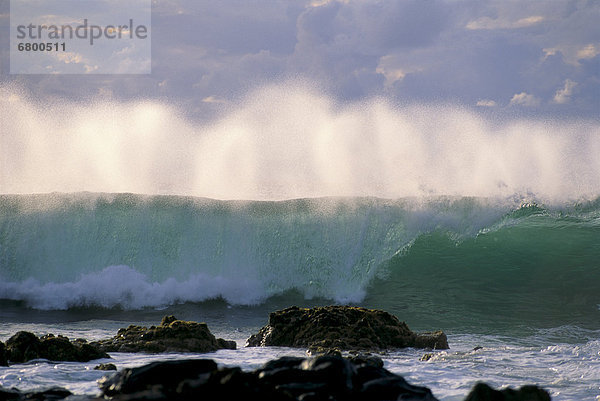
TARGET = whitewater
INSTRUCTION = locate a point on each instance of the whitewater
(485, 226)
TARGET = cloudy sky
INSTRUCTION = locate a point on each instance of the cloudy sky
(526, 57)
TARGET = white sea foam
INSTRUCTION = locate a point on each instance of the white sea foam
(122, 286)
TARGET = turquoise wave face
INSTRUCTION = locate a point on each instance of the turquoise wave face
(455, 261)
(535, 270)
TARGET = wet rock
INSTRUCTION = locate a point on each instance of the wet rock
(315, 350)
(25, 346)
(434, 340)
(361, 359)
(287, 378)
(106, 366)
(22, 347)
(342, 327)
(394, 388)
(483, 392)
(9, 394)
(172, 335)
(164, 375)
(3, 360)
(59, 348)
(167, 320)
(355, 356)
(52, 394)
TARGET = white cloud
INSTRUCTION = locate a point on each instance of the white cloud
(573, 53)
(391, 75)
(563, 95)
(501, 23)
(486, 103)
(393, 69)
(588, 51)
(319, 3)
(525, 99)
(69, 57)
(550, 51)
(213, 99)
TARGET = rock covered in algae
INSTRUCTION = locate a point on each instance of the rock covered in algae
(25, 346)
(172, 335)
(342, 327)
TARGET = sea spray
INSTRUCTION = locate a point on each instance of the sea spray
(288, 140)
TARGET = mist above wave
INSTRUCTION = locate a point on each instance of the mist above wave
(289, 140)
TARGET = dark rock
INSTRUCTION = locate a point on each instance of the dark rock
(316, 350)
(367, 373)
(9, 394)
(226, 344)
(283, 362)
(167, 320)
(230, 384)
(106, 366)
(3, 359)
(341, 327)
(336, 372)
(288, 378)
(25, 346)
(89, 352)
(51, 394)
(165, 374)
(366, 359)
(54, 393)
(394, 388)
(59, 348)
(483, 392)
(433, 340)
(22, 347)
(171, 336)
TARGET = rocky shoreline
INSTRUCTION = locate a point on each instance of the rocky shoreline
(326, 332)
(332, 378)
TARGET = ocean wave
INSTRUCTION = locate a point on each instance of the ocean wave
(469, 256)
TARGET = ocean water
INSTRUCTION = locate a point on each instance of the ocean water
(517, 276)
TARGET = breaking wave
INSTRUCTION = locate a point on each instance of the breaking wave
(450, 256)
